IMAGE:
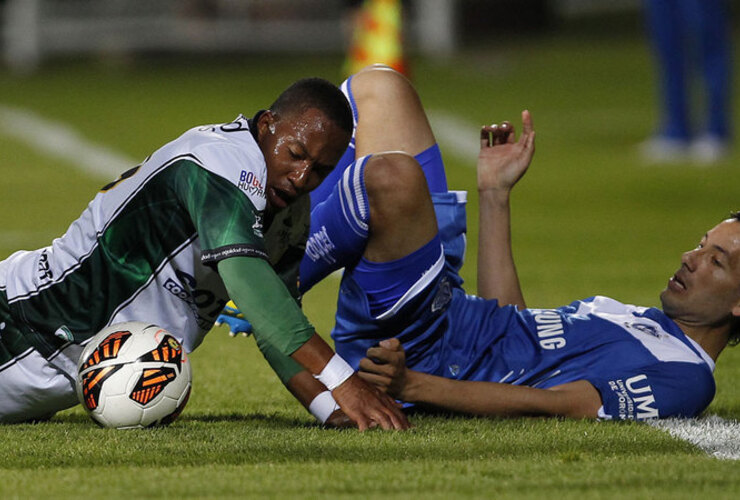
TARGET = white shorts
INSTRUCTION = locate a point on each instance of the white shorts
(34, 388)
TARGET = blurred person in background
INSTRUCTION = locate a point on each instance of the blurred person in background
(690, 35)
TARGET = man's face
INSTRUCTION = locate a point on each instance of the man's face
(299, 151)
(706, 288)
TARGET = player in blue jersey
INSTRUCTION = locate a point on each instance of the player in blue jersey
(489, 355)
(402, 254)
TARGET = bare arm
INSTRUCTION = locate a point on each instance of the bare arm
(385, 367)
(501, 163)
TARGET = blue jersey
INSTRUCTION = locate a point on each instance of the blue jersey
(638, 359)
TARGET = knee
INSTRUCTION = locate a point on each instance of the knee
(395, 183)
(382, 82)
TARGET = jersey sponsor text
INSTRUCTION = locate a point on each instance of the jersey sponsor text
(635, 398)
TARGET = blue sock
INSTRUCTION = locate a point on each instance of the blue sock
(339, 228)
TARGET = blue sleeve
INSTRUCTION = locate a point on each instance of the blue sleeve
(662, 390)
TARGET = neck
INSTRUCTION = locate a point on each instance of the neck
(711, 338)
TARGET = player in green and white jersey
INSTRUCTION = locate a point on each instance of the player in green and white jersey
(200, 220)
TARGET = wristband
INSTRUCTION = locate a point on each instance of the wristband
(335, 372)
(323, 406)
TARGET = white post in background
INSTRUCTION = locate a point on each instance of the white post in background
(436, 25)
(22, 47)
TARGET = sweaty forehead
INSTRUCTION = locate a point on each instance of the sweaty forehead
(309, 119)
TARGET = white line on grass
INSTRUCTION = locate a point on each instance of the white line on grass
(62, 141)
(716, 436)
(17, 239)
(459, 137)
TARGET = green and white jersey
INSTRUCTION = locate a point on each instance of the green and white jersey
(146, 246)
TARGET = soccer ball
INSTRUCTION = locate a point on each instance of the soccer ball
(133, 375)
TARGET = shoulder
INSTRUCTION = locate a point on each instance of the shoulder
(682, 389)
(227, 150)
(660, 390)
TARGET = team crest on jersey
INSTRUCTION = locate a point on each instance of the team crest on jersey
(644, 328)
(443, 297)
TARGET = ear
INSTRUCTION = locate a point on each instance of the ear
(736, 310)
(266, 124)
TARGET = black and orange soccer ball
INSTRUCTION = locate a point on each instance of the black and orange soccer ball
(132, 375)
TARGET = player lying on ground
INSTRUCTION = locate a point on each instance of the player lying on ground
(170, 241)
(592, 358)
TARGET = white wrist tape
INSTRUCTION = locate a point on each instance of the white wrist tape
(323, 406)
(335, 372)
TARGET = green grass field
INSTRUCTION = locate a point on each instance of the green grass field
(588, 218)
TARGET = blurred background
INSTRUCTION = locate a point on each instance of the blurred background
(34, 31)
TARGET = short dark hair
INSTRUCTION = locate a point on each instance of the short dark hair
(735, 333)
(319, 94)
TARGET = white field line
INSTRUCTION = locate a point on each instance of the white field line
(718, 437)
(457, 136)
(62, 141)
(22, 239)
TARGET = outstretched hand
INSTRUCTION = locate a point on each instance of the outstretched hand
(369, 407)
(502, 160)
(385, 367)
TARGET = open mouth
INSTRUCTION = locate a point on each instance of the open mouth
(279, 198)
(678, 282)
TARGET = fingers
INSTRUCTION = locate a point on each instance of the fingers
(528, 134)
(496, 134)
(380, 381)
(387, 415)
(368, 406)
(527, 125)
(392, 344)
(504, 133)
(382, 356)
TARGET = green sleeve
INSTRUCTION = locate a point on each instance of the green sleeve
(280, 327)
(227, 222)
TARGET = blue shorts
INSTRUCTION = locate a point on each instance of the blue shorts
(412, 306)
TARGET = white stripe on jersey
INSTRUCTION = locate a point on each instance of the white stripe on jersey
(662, 345)
(417, 287)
